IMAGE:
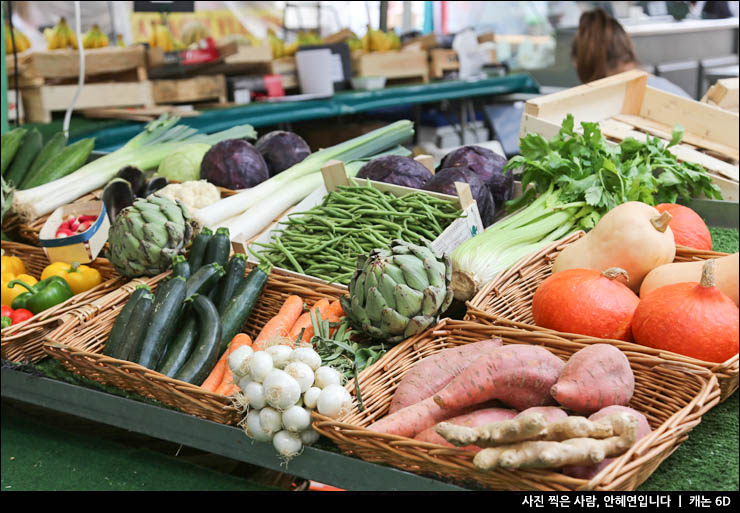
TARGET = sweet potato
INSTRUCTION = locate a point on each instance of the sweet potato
(595, 377)
(432, 373)
(551, 413)
(518, 375)
(474, 419)
(589, 471)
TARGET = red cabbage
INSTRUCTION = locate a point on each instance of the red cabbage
(444, 182)
(488, 165)
(398, 170)
(234, 164)
(282, 150)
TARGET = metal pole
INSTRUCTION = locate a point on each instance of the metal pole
(3, 80)
(383, 16)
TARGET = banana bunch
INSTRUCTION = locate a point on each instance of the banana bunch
(119, 40)
(95, 38)
(376, 40)
(281, 49)
(193, 32)
(21, 41)
(161, 37)
(61, 36)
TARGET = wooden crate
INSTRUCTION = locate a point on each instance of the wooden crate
(188, 90)
(724, 94)
(396, 64)
(624, 106)
(65, 63)
(443, 59)
(40, 99)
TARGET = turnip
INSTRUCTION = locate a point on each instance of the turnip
(302, 373)
(287, 444)
(280, 355)
(281, 390)
(260, 366)
(254, 428)
(271, 420)
(311, 397)
(296, 419)
(327, 376)
(239, 361)
(334, 401)
(306, 355)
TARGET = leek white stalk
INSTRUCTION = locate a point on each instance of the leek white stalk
(360, 147)
(145, 151)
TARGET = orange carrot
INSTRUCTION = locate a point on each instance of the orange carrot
(216, 376)
(280, 324)
(335, 314)
(227, 382)
(321, 307)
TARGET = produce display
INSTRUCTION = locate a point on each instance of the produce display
(129, 184)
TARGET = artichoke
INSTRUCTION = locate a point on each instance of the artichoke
(145, 236)
(397, 293)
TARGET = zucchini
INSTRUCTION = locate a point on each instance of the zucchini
(67, 161)
(206, 352)
(180, 267)
(219, 248)
(136, 327)
(162, 323)
(180, 348)
(50, 150)
(198, 248)
(241, 304)
(30, 147)
(231, 280)
(115, 337)
(203, 280)
(10, 142)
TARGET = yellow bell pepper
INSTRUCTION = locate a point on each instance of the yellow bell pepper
(12, 264)
(8, 294)
(80, 278)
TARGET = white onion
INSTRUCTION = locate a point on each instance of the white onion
(287, 444)
(281, 390)
(253, 392)
(260, 366)
(302, 373)
(310, 436)
(239, 361)
(254, 428)
(310, 397)
(296, 419)
(327, 376)
(280, 355)
(271, 420)
(334, 401)
(307, 356)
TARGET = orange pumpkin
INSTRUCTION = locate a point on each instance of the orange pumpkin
(687, 226)
(693, 319)
(586, 302)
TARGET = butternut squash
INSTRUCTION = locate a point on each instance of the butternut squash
(726, 274)
(633, 236)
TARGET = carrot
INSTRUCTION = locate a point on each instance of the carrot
(227, 385)
(216, 376)
(281, 324)
(518, 375)
(335, 311)
(321, 307)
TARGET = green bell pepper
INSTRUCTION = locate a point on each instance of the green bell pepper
(5, 322)
(42, 296)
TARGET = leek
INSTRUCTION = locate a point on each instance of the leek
(145, 151)
(360, 147)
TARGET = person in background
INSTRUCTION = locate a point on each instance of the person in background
(602, 48)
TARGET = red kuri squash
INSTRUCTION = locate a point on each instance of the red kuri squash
(586, 302)
(688, 227)
(693, 319)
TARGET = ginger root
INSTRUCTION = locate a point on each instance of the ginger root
(578, 450)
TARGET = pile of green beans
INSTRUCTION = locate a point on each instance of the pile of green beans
(325, 241)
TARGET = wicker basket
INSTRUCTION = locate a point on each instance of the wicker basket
(23, 342)
(672, 395)
(507, 300)
(78, 343)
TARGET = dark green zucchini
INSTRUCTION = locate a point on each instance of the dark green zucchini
(206, 352)
(50, 150)
(180, 348)
(231, 280)
(136, 327)
(30, 147)
(241, 304)
(180, 267)
(115, 337)
(204, 279)
(198, 248)
(219, 248)
(162, 323)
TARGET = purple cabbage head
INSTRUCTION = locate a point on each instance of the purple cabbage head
(444, 182)
(234, 164)
(398, 170)
(488, 165)
(281, 150)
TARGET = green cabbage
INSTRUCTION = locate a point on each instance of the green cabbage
(183, 164)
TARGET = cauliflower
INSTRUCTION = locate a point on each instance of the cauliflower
(194, 194)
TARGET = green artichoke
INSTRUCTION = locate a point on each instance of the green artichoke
(397, 293)
(145, 236)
